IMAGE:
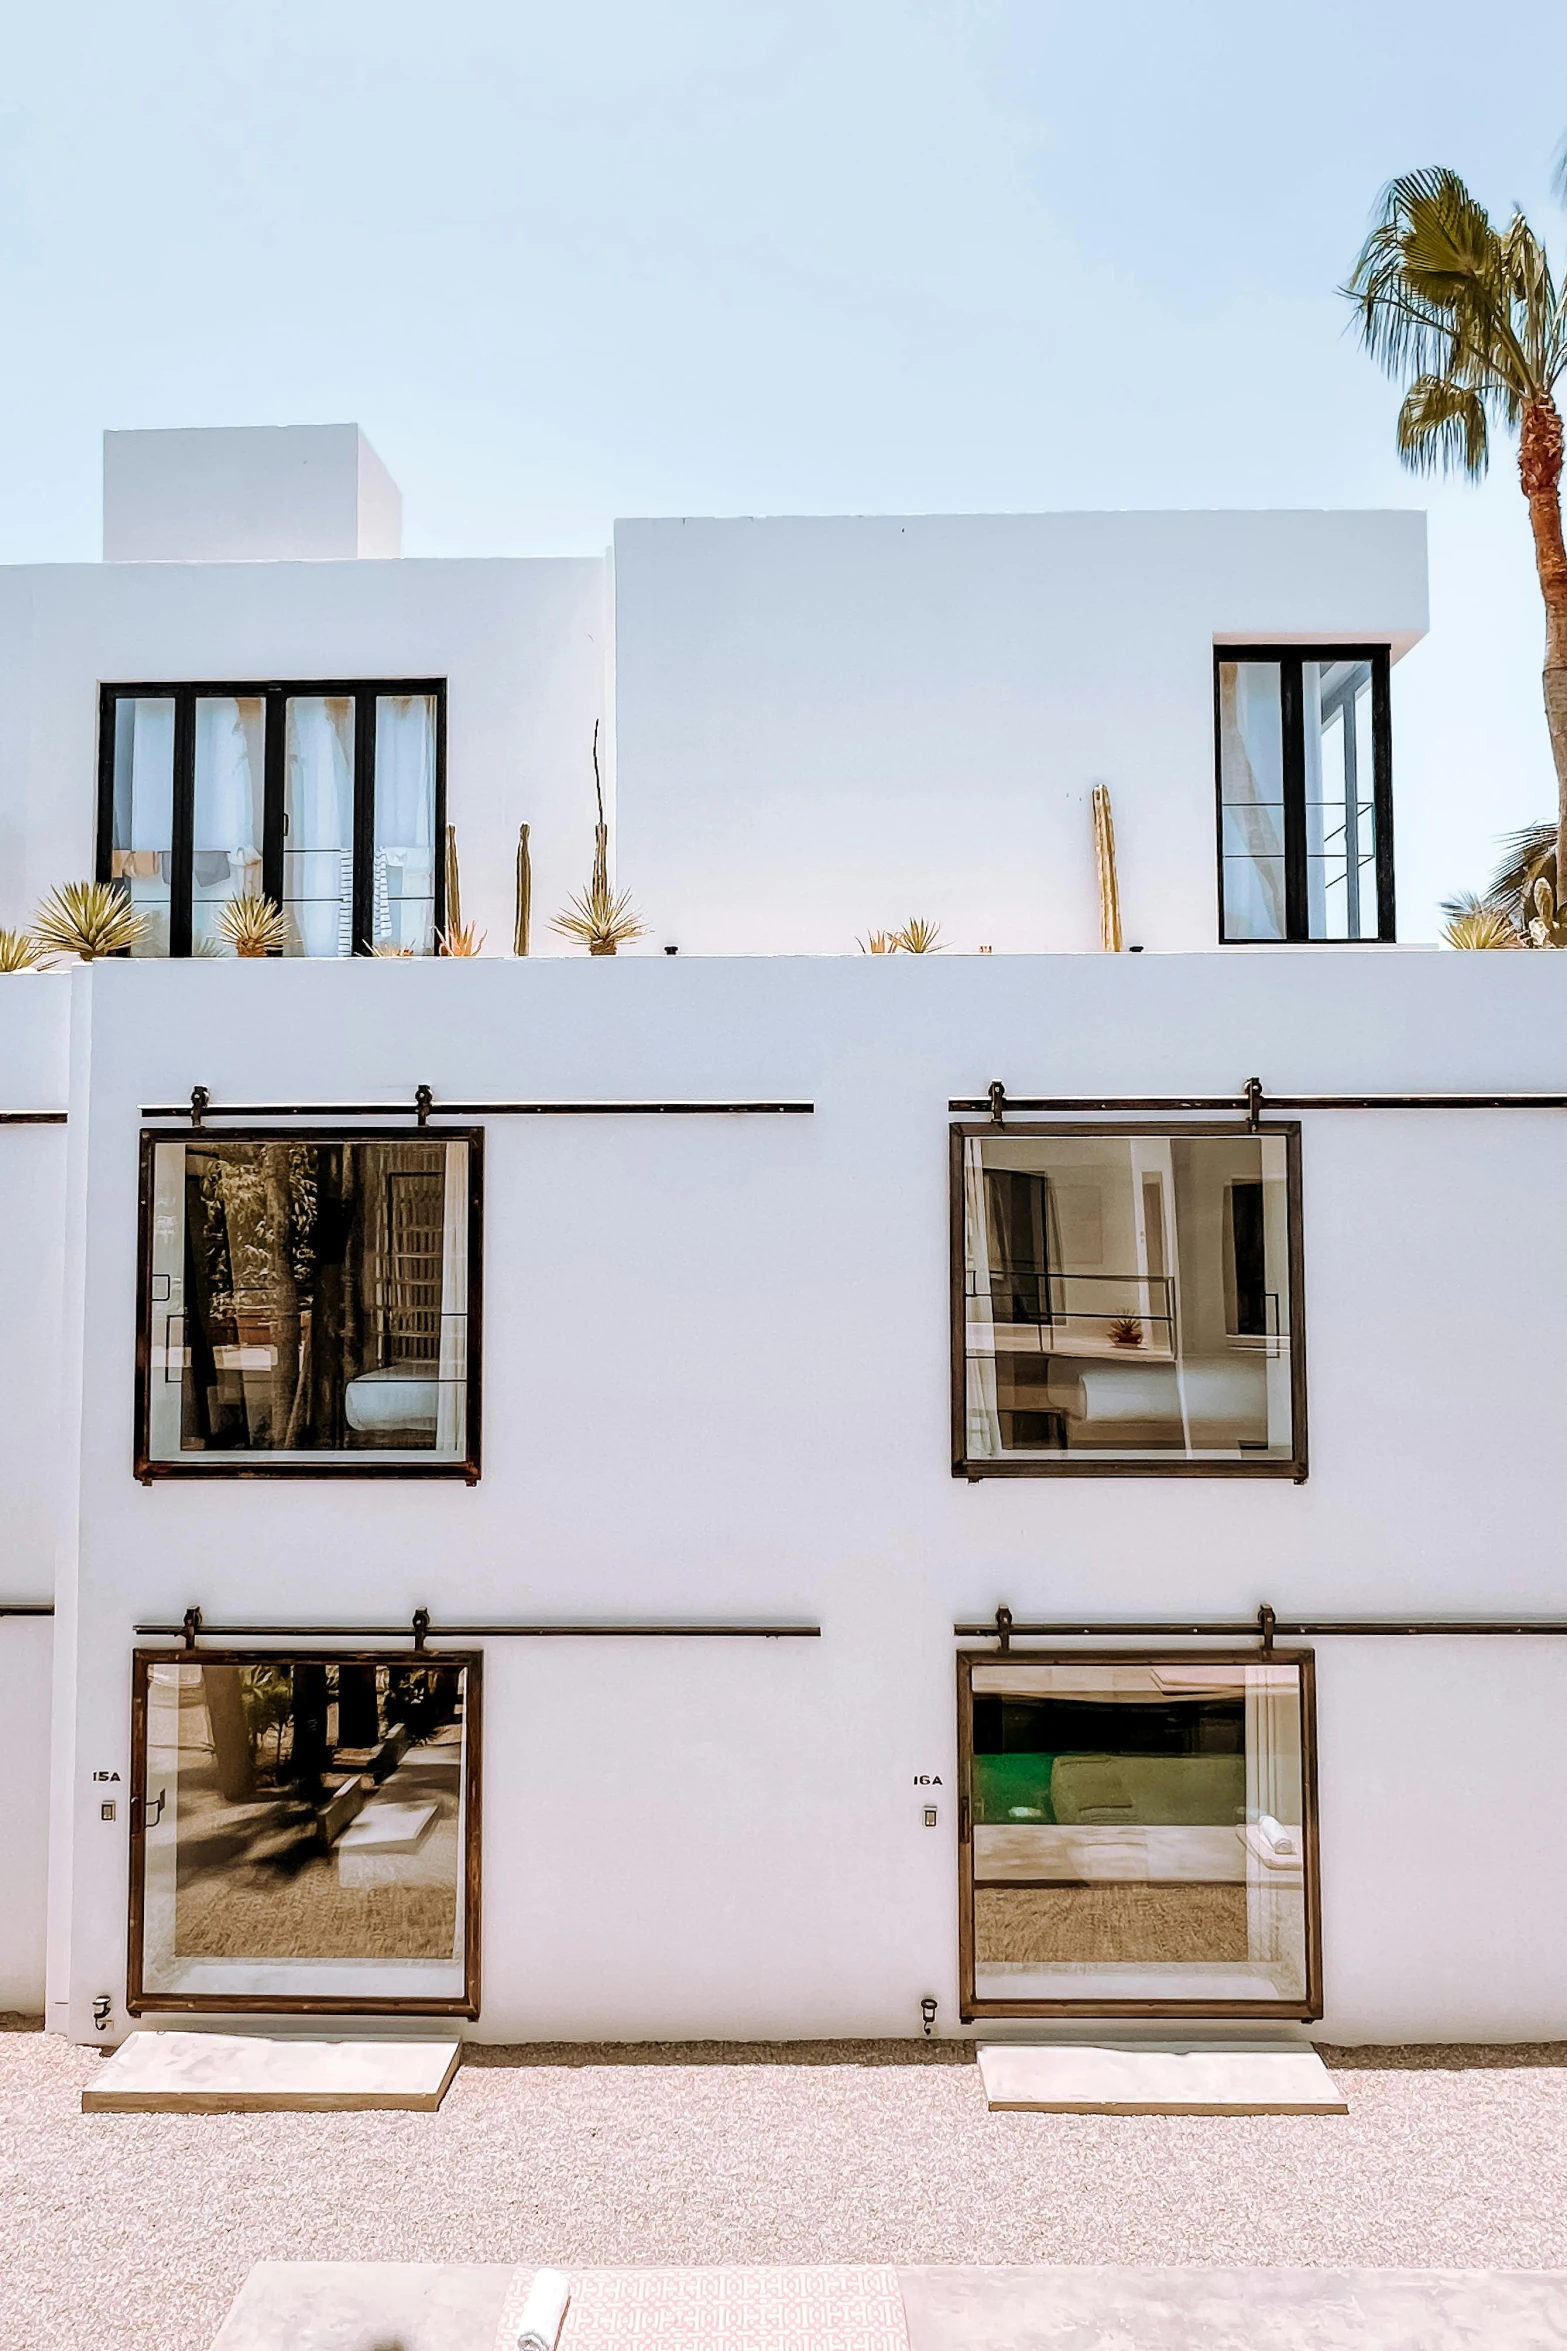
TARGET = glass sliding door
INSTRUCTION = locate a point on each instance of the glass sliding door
(229, 811)
(1138, 1834)
(141, 811)
(304, 1832)
(1341, 811)
(329, 799)
(403, 883)
(318, 824)
(1303, 746)
(1251, 799)
(1127, 1301)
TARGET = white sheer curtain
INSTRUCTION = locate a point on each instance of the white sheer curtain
(228, 810)
(144, 810)
(318, 864)
(404, 909)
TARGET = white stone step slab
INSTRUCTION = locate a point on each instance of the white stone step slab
(246, 2073)
(387, 1828)
(1069, 2078)
(367, 2306)
(1177, 2309)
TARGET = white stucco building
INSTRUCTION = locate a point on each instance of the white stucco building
(716, 1290)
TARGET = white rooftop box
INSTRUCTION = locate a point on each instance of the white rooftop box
(247, 494)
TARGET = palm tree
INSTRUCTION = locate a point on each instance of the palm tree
(1469, 318)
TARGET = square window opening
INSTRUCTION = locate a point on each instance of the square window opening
(1139, 1835)
(310, 1304)
(1127, 1303)
(1303, 748)
(305, 1832)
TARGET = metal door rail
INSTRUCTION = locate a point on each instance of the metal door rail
(32, 1118)
(421, 1630)
(26, 1608)
(424, 1106)
(1250, 1102)
(1265, 1627)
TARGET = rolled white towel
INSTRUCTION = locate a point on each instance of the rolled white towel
(544, 2312)
(1279, 1837)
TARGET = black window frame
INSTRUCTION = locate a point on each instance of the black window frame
(1288, 660)
(1296, 1467)
(274, 694)
(148, 1468)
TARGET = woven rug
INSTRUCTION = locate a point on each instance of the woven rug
(839, 2309)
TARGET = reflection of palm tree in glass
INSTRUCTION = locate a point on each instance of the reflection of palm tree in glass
(283, 1290)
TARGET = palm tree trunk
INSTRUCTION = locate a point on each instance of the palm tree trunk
(1540, 473)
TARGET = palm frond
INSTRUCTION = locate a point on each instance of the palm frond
(1528, 856)
(1467, 315)
(88, 919)
(1443, 423)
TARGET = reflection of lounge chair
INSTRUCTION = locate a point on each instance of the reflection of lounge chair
(404, 1396)
(1153, 1790)
(1226, 1399)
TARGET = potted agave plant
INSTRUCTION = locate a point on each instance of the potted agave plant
(88, 919)
(19, 952)
(253, 926)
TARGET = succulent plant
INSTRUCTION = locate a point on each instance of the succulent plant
(878, 943)
(599, 920)
(919, 937)
(1126, 1331)
(461, 938)
(88, 919)
(1472, 922)
(19, 951)
(252, 925)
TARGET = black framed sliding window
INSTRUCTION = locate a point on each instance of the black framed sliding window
(1303, 745)
(326, 795)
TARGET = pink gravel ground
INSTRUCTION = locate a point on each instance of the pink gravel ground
(136, 2230)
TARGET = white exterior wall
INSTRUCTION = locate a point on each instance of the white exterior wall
(524, 646)
(37, 1469)
(716, 1385)
(825, 726)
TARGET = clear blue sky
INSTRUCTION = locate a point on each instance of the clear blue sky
(624, 257)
